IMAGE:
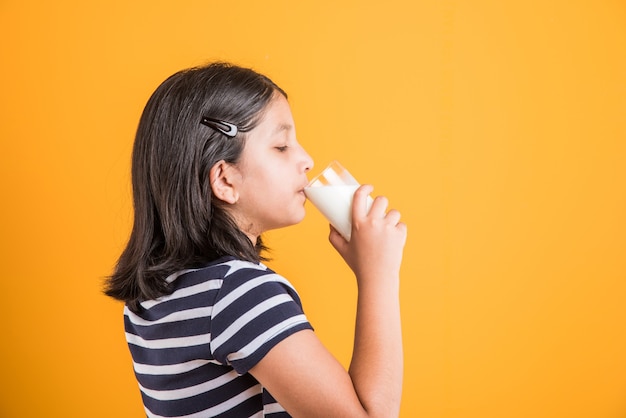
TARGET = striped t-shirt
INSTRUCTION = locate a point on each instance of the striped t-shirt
(192, 349)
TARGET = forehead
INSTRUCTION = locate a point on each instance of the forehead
(276, 118)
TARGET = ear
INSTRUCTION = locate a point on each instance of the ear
(223, 179)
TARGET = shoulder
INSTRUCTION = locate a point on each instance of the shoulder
(248, 284)
(205, 282)
(255, 309)
(244, 273)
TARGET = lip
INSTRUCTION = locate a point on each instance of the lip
(301, 190)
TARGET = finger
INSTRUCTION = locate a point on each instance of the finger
(393, 216)
(402, 227)
(359, 201)
(336, 240)
(379, 207)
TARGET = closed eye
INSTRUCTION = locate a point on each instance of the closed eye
(282, 149)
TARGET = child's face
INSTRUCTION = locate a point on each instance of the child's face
(273, 171)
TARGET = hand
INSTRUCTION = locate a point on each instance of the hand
(374, 251)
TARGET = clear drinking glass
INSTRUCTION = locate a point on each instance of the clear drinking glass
(331, 192)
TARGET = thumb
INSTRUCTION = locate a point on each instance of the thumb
(337, 240)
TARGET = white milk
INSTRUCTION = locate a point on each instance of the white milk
(335, 203)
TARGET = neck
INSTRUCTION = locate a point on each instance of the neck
(253, 238)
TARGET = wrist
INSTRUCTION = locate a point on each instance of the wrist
(387, 286)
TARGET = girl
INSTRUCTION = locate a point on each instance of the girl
(211, 330)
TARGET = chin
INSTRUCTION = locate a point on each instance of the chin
(288, 222)
(298, 218)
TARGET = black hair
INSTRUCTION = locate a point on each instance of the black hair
(178, 223)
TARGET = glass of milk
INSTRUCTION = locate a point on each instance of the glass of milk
(331, 192)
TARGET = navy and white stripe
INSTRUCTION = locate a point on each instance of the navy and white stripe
(192, 349)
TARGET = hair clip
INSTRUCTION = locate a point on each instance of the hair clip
(226, 128)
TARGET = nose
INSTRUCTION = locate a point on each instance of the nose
(308, 161)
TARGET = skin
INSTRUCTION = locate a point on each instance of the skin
(265, 191)
(266, 188)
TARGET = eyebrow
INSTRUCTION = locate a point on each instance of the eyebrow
(283, 127)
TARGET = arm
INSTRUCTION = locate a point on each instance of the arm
(304, 377)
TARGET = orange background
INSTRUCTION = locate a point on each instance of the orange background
(498, 128)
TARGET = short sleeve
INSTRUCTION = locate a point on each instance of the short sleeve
(254, 311)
